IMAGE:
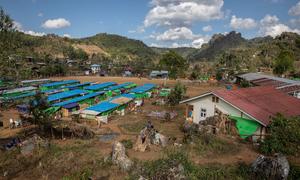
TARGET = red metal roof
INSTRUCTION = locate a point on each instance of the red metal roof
(261, 102)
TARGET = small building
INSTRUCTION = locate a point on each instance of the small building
(250, 108)
(127, 73)
(96, 68)
(159, 74)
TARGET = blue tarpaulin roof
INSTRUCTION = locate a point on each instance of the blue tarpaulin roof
(119, 86)
(78, 99)
(60, 83)
(143, 88)
(66, 94)
(100, 86)
(103, 107)
(69, 106)
(78, 85)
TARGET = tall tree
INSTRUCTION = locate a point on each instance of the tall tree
(284, 62)
(174, 63)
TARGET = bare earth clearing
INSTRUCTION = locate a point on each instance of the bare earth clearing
(73, 156)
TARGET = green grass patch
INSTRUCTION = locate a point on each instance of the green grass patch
(133, 127)
(127, 143)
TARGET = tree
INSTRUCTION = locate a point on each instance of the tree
(284, 62)
(284, 136)
(37, 107)
(6, 23)
(176, 94)
(174, 63)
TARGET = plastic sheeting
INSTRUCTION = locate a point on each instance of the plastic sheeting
(143, 88)
(66, 94)
(79, 99)
(60, 83)
(119, 86)
(103, 107)
(246, 127)
(100, 86)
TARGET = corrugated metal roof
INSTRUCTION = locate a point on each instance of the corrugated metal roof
(78, 99)
(66, 94)
(17, 90)
(261, 102)
(30, 94)
(256, 76)
(143, 88)
(35, 80)
(60, 83)
(103, 107)
(100, 86)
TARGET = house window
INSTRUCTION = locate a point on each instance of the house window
(203, 112)
(215, 99)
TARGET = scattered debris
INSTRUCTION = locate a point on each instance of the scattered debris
(72, 129)
(271, 167)
(163, 115)
(28, 145)
(148, 135)
(120, 158)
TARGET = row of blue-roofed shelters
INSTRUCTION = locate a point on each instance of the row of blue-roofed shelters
(143, 91)
(58, 84)
(99, 87)
(65, 95)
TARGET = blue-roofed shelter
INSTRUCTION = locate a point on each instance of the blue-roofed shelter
(58, 84)
(99, 87)
(65, 95)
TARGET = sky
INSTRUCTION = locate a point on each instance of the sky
(161, 23)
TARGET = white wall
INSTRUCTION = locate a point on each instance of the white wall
(206, 103)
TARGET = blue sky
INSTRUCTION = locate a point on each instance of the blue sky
(169, 23)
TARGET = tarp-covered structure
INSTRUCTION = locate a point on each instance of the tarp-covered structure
(78, 86)
(17, 91)
(245, 127)
(58, 84)
(65, 95)
(99, 87)
(80, 99)
(143, 91)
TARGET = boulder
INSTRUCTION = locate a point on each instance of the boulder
(271, 167)
(120, 158)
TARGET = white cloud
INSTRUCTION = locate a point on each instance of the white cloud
(207, 28)
(56, 23)
(271, 26)
(199, 42)
(240, 23)
(32, 33)
(181, 33)
(40, 14)
(295, 10)
(18, 26)
(183, 12)
(67, 35)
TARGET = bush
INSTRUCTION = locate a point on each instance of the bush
(127, 143)
(176, 94)
(284, 136)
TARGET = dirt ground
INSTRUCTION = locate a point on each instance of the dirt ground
(118, 124)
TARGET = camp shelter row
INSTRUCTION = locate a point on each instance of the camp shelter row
(90, 100)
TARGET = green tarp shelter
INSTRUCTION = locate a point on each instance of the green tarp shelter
(51, 110)
(246, 127)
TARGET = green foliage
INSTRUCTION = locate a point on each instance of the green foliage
(6, 23)
(174, 63)
(244, 84)
(219, 75)
(284, 136)
(160, 169)
(284, 63)
(73, 53)
(37, 107)
(127, 143)
(176, 94)
(294, 172)
(194, 75)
